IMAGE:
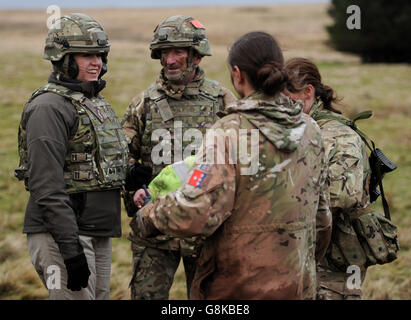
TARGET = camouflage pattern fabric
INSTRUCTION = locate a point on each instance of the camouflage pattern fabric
(333, 286)
(202, 98)
(180, 31)
(97, 154)
(194, 107)
(260, 228)
(153, 272)
(152, 278)
(75, 33)
(349, 175)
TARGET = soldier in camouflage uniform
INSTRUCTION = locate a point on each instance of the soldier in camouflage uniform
(261, 225)
(349, 176)
(73, 160)
(181, 99)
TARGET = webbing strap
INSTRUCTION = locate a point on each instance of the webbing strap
(351, 123)
(164, 109)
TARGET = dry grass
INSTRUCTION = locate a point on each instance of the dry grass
(300, 31)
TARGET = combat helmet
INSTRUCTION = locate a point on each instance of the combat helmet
(180, 31)
(75, 33)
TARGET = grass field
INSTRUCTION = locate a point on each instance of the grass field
(300, 29)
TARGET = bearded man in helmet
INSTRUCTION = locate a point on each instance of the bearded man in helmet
(73, 159)
(181, 99)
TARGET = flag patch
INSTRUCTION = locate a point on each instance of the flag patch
(197, 24)
(197, 178)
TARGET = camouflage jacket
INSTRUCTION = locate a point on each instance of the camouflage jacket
(260, 222)
(349, 173)
(196, 105)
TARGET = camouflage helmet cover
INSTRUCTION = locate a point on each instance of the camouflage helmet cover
(75, 33)
(180, 31)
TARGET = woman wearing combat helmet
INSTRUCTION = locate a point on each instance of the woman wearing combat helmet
(72, 160)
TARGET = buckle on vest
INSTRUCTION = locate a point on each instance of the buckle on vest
(82, 175)
(80, 157)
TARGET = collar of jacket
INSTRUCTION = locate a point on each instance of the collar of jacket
(279, 108)
(177, 91)
(279, 118)
(88, 88)
(316, 108)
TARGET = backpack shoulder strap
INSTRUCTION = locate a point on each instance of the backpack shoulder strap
(325, 115)
(376, 153)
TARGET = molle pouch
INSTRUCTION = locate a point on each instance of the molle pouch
(337, 258)
(345, 248)
(378, 237)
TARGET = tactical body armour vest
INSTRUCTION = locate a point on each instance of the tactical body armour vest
(96, 156)
(196, 109)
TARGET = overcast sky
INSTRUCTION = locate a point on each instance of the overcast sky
(38, 4)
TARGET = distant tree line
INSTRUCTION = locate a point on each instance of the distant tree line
(385, 29)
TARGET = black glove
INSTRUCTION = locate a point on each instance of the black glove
(77, 272)
(137, 175)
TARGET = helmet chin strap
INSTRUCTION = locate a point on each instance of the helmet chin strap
(69, 71)
(66, 66)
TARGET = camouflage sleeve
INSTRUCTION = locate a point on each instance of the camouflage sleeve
(204, 201)
(227, 96)
(133, 126)
(345, 152)
(324, 216)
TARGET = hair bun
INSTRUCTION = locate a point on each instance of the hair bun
(326, 95)
(260, 57)
(271, 77)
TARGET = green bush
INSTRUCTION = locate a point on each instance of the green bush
(384, 34)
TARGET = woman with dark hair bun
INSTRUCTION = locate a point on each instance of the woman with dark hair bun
(265, 219)
(349, 176)
(258, 56)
